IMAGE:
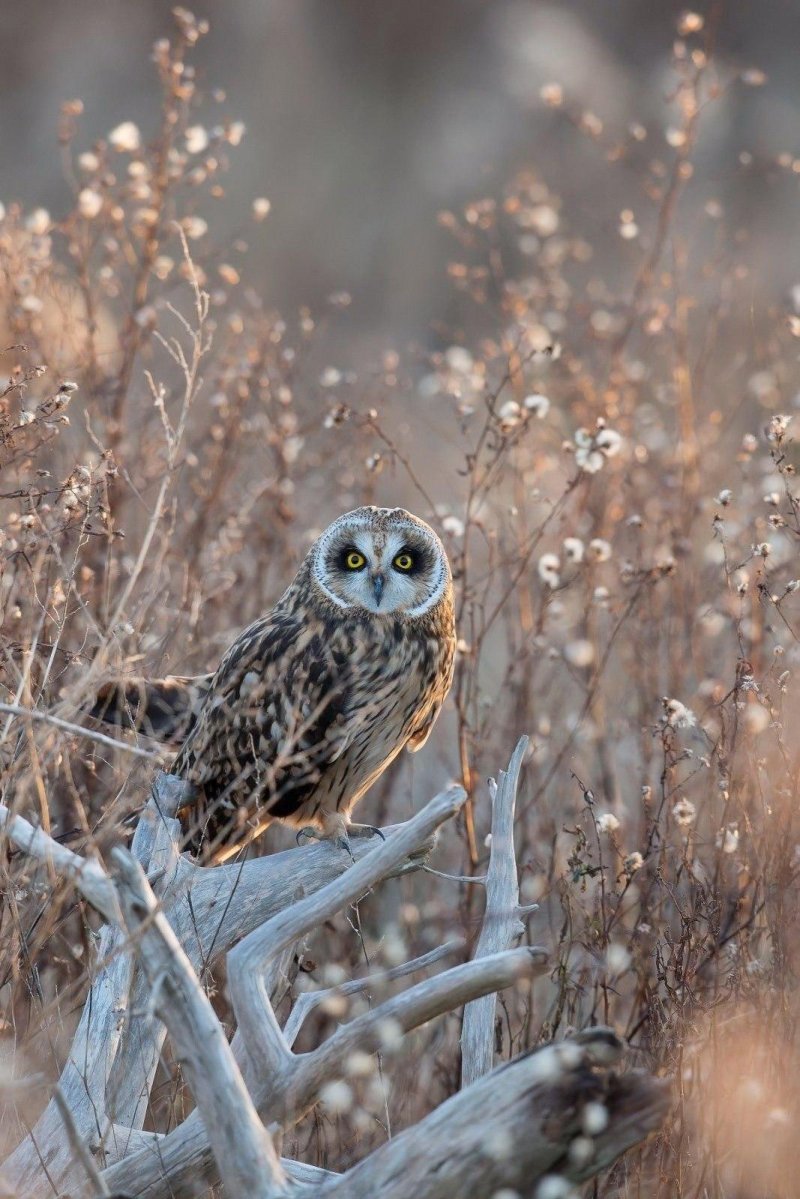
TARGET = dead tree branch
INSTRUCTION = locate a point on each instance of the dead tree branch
(243, 1150)
(86, 874)
(307, 1001)
(252, 963)
(109, 1074)
(522, 1122)
(502, 926)
(508, 1129)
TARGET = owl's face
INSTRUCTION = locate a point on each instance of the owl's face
(383, 560)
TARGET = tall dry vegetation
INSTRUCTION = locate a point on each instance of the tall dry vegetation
(613, 471)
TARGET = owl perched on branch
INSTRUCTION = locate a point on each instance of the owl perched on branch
(313, 701)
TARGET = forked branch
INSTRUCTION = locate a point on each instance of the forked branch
(508, 1129)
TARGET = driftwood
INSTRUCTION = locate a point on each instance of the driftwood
(168, 920)
(502, 921)
(112, 1064)
(235, 1133)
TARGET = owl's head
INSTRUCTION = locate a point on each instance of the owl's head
(383, 560)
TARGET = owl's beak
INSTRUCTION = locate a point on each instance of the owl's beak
(378, 582)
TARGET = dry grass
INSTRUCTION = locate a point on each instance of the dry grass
(622, 520)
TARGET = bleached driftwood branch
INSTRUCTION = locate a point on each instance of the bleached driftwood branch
(100, 1052)
(539, 1115)
(404, 1012)
(185, 1156)
(110, 1070)
(252, 963)
(508, 1129)
(242, 1148)
(502, 926)
(283, 1086)
(86, 874)
(308, 1001)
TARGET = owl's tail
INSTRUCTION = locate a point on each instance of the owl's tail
(164, 709)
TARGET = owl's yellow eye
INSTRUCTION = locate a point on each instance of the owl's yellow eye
(404, 562)
(355, 561)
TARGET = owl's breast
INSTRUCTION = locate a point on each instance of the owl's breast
(394, 691)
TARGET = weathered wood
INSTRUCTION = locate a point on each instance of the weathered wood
(77, 1143)
(249, 962)
(87, 1081)
(86, 874)
(511, 1129)
(185, 1155)
(289, 1085)
(506, 1130)
(246, 1159)
(404, 1012)
(502, 926)
(120, 1141)
(113, 1059)
(309, 1000)
(130, 1141)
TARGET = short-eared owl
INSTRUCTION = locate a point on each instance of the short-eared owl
(313, 701)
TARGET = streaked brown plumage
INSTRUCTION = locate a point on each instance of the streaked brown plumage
(313, 701)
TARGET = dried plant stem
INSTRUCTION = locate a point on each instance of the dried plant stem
(78, 730)
(77, 1143)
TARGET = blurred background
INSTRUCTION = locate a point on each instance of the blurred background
(365, 118)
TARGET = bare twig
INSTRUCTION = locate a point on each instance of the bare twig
(79, 731)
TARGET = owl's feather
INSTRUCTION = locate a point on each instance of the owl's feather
(313, 701)
(163, 709)
(303, 715)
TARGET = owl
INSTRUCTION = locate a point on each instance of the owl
(313, 701)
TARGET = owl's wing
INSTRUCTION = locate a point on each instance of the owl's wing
(423, 732)
(428, 717)
(275, 716)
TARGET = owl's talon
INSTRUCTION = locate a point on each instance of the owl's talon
(343, 842)
(308, 833)
(365, 830)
